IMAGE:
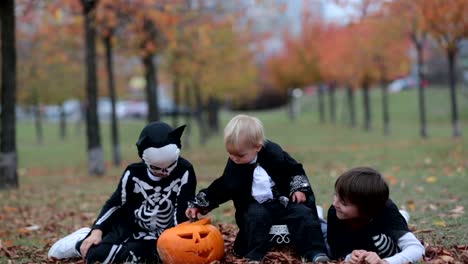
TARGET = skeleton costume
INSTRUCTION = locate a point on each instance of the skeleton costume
(144, 205)
(387, 234)
(260, 192)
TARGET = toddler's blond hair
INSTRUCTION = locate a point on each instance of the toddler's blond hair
(244, 129)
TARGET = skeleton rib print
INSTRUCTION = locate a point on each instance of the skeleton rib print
(156, 213)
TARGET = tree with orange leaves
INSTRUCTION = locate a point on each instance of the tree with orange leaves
(150, 31)
(45, 37)
(337, 62)
(446, 22)
(107, 20)
(410, 15)
(389, 51)
(314, 37)
(296, 64)
(211, 59)
(378, 48)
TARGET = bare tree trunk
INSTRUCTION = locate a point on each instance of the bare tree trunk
(385, 111)
(151, 71)
(63, 123)
(188, 116)
(151, 89)
(95, 152)
(213, 114)
(421, 97)
(37, 116)
(116, 157)
(8, 155)
(291, 102)
(321, 103)
(367, 106)
(385, 105)
(331, 97)
(351, 106)
(176, 90)
(451, 55)
(199, 113)
(80, 121)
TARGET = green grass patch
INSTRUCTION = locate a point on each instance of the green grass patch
(428, 177)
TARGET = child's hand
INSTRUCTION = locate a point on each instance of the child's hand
(365, 257)
(93, 239)
(373, 258)
(298, 197)
(192, 212)
(357, 256)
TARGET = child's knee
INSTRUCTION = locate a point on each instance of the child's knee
(97, 254)
(257, 214)
(302, 210)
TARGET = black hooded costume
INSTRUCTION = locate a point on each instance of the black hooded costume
(144, 205)
(254, 219)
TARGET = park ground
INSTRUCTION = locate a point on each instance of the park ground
(427, 177)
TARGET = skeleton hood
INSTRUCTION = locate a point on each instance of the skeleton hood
(157, 135)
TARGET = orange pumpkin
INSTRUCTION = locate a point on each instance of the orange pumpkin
(191, 243)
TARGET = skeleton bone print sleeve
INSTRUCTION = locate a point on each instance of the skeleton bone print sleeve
(187, 192)
(113, 204)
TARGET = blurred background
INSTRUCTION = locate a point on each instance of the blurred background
(338, 83)
(85, 61)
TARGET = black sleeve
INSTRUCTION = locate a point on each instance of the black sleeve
(335, 236)
(113, 205)
(332, 233)
(395, 222)
(214, 195)
(298, 180)
(187, 193)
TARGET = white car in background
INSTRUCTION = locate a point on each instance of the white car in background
(404, 83)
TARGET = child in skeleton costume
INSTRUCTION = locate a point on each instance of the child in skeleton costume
(365, 226)
(267, 186)
(151, 196)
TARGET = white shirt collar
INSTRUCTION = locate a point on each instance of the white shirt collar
(152, 177)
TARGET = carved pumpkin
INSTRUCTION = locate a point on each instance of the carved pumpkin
(191, 243)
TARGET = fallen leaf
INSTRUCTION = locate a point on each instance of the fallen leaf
(392, 180)
(419, 189)
(459, 209)
(8, 243)
(423, 231)
(447, 259)
(23, 230)
(10, 209)
(411, 205)
(440, 223)
(431, 179)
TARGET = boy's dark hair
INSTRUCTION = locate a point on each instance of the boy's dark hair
(365, 188)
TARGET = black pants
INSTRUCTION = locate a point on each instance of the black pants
(118, 246)
(302, 221)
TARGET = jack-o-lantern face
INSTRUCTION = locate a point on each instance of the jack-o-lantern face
(192, 243)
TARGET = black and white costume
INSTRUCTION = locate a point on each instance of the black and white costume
(255, 215)
(144, 205)
(387, 234)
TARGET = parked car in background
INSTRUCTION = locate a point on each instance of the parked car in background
(105, 108)
(136, 109)
(403, 83)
